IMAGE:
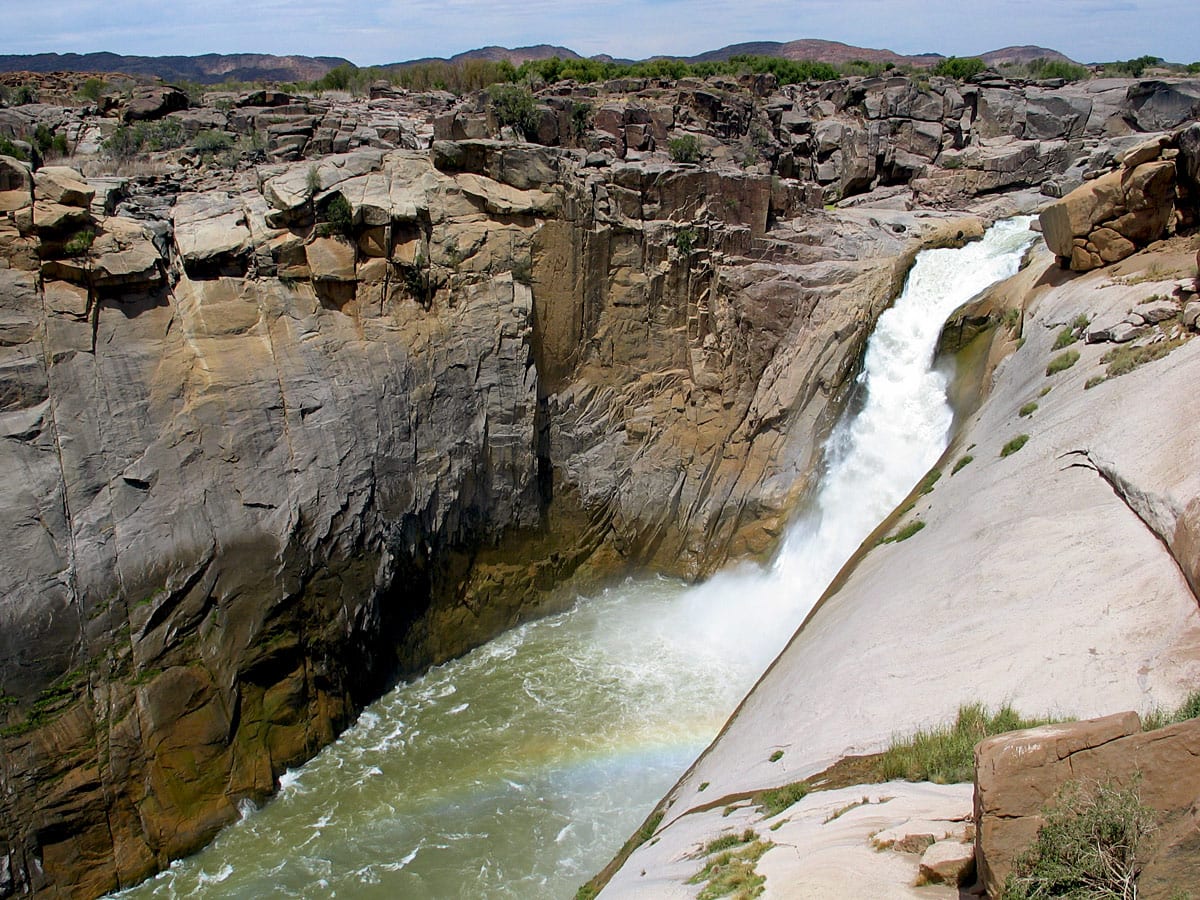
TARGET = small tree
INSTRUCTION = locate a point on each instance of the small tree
(514, 106)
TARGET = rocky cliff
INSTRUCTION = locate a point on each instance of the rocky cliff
(1055, 569)
(275, 434)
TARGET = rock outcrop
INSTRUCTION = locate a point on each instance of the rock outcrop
(1018, 776)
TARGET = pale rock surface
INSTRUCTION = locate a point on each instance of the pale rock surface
(1074, 560)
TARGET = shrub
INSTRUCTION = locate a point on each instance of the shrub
(581, 118)
(1087, 847)
(946, 754)
(960, 69)
(1062, 362)
(962, 461)
(514, 106)
(8, 148)
(79, 243)
(1028, 409)
(685, 241)
(930, 480)
(1065, 338)
(684, 149)
(337, 216)
(92, 89)
(212, 141)
(25, 94)
(1014, 445)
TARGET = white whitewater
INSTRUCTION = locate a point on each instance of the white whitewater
(518, 770)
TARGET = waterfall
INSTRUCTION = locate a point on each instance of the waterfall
(518, 770)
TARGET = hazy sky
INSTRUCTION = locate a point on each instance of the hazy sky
(394, 30)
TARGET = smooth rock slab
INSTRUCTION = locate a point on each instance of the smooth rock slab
(948, 862)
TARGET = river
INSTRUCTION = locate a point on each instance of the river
(518, 770)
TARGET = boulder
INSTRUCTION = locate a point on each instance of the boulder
(1162, 105)
(61, 184)
(1019, 773)
(331, 259)
(209, 228)
(153, 102)
(948, 862)
(15, 176)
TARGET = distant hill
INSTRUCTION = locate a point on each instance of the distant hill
(516, 55)
(1026, 54)
(210, 68)
(819, 51)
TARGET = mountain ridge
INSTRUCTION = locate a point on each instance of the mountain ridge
(211, 68)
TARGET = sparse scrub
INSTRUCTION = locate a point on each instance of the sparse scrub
(946, 754)
(1088, 846)
(130, 140)
(1014, 445)
(212, 141)
(728, 841)
(962, 461)
(1062, 362)
(1123, 360)
(337, 217)
(732, 873)
(684, 149)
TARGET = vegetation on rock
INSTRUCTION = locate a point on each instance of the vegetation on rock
(1062, 362)
(959, 68)
(1161, 718)
(684, 149)
(1014, 445)
(1087, 847)
(130, 140)
(514, 107)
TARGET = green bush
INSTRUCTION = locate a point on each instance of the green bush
(1088, 846)
(337, 216)
(1062, 362)
(212, 141)
(1133, 68)
(8, 148)
(79, 243)
(958, 68)
(93, 89)
(581, 119)
(685, 241)
(684, 149)
(1065, 338)
(1014, 445)
(514, 106)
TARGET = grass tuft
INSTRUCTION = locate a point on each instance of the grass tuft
(1028, 409)
(732, 874)
(1062, 362)
(904, 533)
(1123, 360)
(1014, 445)
(775, 801)
(1065, 338)
(930, 480)
(1161, 718)
(946, 754)
(962, 461)
(777, 756)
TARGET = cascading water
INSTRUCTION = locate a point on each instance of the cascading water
(518, 770)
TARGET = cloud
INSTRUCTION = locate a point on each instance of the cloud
(1088, 30)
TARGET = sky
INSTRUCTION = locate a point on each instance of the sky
(394, 30)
